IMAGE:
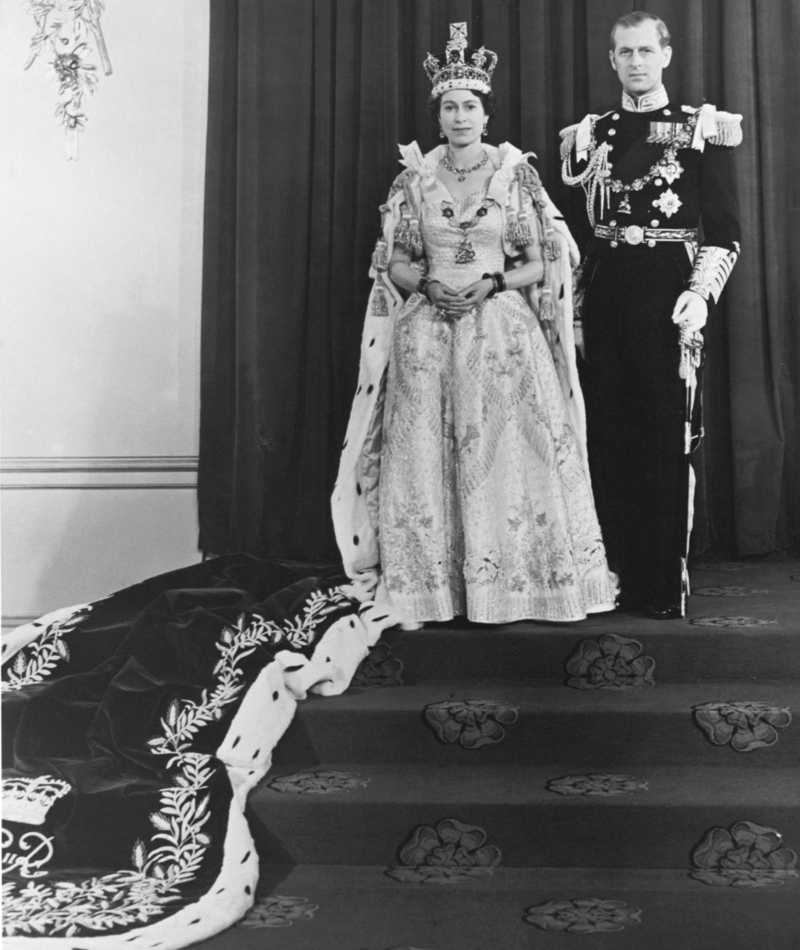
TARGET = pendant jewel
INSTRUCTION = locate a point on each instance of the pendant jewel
(465, 253)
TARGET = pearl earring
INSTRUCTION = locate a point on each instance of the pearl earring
(441, 133)
(486, 127)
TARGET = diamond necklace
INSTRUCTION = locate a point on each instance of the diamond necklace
(461, 173)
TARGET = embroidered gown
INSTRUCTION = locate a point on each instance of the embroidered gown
(463, 483)
(485, 504)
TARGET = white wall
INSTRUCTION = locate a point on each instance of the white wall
(100, 281)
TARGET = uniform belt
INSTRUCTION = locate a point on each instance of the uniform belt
(633, 234)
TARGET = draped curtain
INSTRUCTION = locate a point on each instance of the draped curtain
(308, 100)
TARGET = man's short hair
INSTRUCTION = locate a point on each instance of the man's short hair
(636, 19)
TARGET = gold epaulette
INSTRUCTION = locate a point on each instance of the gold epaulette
(729, 130)
(727, 125)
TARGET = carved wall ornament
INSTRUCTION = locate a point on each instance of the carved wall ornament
(65, 32)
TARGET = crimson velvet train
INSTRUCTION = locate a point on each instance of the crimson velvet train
(134, 728)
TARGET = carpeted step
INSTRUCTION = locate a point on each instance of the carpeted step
(762, 600)
(360, 908)
(652, 825)
(554, 724)
(683, 653)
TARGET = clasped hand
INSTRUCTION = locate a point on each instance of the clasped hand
(457, 303)
(691, 311)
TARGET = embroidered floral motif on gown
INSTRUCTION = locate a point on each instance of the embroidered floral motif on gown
(485, 505)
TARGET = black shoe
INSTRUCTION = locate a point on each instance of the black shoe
(663, 613)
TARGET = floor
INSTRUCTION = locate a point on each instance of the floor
(618, 782)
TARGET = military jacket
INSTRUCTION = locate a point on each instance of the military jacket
(654, 174)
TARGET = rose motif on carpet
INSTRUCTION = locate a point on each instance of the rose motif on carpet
(743, 855)
(278, 911)
(471, 722)
(596, 784)
(319, 782)
(451, 853)
(583, 916)
(731, 622)
(610, 662)
(744, 726)
(379, 669)
(728, 591)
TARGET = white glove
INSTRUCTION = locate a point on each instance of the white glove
(691, 311)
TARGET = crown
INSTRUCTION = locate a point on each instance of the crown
(460, 67)
(28, 800)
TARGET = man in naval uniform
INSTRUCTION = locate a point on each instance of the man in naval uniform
(661, 201)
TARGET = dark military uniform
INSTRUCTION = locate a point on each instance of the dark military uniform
(653, 173)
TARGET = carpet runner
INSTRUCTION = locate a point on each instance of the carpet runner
(613, 783)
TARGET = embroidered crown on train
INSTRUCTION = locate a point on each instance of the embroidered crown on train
(28, 800)
(460, 67)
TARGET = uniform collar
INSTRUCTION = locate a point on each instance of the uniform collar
(649, 103)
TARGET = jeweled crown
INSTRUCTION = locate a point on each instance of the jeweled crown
(28, 800)
(460, 67)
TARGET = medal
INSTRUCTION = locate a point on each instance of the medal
(625, 204)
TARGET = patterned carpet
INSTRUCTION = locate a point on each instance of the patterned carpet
(613, 783)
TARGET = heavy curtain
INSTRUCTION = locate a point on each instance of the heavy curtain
(307, 102)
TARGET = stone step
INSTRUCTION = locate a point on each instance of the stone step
(360, 908)
(556, 724)
(656, 825)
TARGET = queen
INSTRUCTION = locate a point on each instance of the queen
(463, 486)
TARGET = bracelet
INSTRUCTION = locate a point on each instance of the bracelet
(422, 286)
(498, 283)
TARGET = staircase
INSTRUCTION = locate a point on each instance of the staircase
(462, 796)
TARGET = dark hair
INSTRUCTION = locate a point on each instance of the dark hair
(636, 19)
(488, 102)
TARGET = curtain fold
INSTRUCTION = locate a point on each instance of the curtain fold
(308, 100)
